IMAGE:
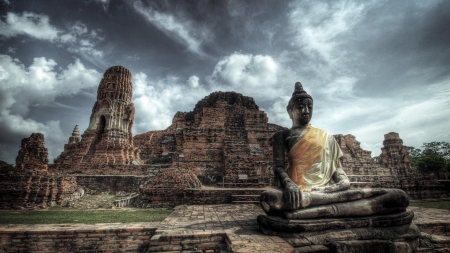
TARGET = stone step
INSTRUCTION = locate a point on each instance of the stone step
(433, 250)
(312, 249)
(245, 198)
(435, 243)
(245, 202)
(241, 185)
(440, 241)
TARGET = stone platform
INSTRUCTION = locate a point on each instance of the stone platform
(389, 232)
(190, 228)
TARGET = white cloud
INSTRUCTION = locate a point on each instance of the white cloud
(177, 27)
(277, 113)
(254, 75)
(157, 101)
(193, 81)
(18, 128)
(31, 24)
(40, 83)
(37, 85)
(417, 115)
(82, 41)
(318, 25)
(78, 39)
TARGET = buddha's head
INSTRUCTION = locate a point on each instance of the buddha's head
(300, 107)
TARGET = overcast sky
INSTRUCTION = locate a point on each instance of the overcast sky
(372, 67)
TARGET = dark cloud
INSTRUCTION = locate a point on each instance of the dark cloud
(403, 44)
(370, 66)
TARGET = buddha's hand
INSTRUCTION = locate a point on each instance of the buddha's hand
(291, 194)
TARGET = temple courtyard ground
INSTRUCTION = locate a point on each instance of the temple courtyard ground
(190, 228)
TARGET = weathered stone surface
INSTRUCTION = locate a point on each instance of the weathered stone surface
(225, 136)
(359, 234)
(31, 184)
(279, 224)
(108, 138)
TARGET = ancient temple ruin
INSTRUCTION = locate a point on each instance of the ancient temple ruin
(225, 138)
(108, 138)
(223, 143)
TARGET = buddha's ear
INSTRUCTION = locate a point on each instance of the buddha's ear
(290, 114)
(289, 111)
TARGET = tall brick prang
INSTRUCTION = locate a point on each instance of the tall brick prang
(108, 138)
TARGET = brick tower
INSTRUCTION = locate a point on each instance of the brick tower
(108, 138)
(394, 154)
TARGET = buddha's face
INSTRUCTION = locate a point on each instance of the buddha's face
(302, 111)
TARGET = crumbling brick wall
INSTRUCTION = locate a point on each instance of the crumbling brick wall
(31, 185)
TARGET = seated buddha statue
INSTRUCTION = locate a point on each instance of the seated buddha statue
(313, 184)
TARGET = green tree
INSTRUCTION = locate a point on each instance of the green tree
(434, 157)
(414, 155)
(431, 163)
(441, 149)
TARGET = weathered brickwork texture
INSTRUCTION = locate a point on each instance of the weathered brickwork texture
(31, 185)
(225, 136)
(106, 239)
(108, 138)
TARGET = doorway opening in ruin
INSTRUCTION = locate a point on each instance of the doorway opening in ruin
(101, 128)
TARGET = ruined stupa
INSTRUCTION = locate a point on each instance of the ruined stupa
(394, 154)
(108, 138)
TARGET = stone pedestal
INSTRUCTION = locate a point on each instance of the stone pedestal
(377, 233)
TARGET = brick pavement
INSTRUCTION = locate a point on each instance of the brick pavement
(235, 223)
(190, 228)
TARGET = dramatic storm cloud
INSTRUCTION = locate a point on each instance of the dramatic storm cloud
(372, 67)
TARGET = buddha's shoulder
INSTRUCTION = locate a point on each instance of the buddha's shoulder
(283, 134)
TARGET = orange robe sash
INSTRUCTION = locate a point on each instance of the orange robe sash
(313, 159)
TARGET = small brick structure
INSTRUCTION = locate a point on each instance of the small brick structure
(394, 154)
(31, 185)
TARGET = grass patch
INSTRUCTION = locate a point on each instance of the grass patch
(83, 216)
(439, 205)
